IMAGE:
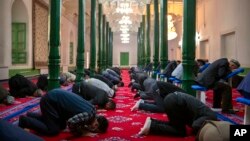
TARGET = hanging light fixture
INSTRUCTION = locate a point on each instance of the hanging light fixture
(171, 29)
(125, 20)
(124, 8)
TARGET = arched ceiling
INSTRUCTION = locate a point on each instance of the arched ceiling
(70, 10)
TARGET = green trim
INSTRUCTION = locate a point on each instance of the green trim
(71, 53)
(124, 58)
(24, 72)
(19, 53)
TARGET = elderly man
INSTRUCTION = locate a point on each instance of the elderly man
(213, 77)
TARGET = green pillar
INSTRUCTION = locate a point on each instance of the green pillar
(107, 44)
(103, 42)
(148, 60)
(80, 43)
(188, 50)
(143, 42)
(138, 46)
(156, 34)
(110, 47)
(163, 33)
(93, 37)
(54, 57)
(100, 27)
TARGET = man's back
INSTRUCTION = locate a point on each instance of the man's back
(68, 104)
(188, 108)
(213, 73)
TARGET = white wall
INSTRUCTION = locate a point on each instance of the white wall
(22, 12)
(67, 28)
(131, 47)
(216, 18)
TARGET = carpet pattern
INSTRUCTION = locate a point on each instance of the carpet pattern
(123, 124)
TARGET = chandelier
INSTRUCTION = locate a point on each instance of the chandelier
(171, 29)
(125, 20)
(124, 8)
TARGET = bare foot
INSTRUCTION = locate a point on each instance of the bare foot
(146, 127)
(136, 106)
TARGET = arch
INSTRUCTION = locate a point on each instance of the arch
(20, 50)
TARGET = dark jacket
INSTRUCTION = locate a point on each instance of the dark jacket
(169, 68)
(65, 105)
(149, 85)
(104, 79)
(94, 95)
(219, 69)
(21, 86)
(166, 88)
(184, 109)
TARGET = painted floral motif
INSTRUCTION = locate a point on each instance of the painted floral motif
(114, 139)
(117, 129)
(121, 97)
(119, 119)
(121, 105)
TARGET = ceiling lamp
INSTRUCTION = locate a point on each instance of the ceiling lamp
(125, 20)
(124, 8)
(125, 42)
(124, 35)
(125, 39)
(171, 29)
(124, 30)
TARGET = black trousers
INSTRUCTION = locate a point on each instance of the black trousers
(47, 123)
(222, 97)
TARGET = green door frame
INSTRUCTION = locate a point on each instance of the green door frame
(124, 59)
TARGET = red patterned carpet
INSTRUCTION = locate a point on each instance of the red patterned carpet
(123, 124)
(234, 118)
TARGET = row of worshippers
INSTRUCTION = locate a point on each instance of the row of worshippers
(181, 108)
(20, 86)
(80, 116)
(75, 110)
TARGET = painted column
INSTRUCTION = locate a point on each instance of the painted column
(103, 42)
(107, 44)
(100, 30)
(188, 51)
(143, 42)
(93, 37)
(156, 34)
(54, 42)
(110, 47)
(148, 56)
(163, 33)
(80, 45)
(138, 47)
